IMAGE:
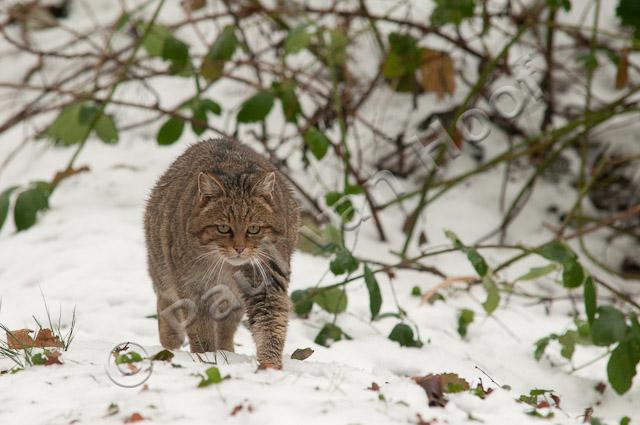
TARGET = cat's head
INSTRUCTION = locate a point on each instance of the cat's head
(237, 217)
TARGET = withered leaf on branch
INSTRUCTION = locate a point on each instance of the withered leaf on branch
(191, 5)
(437, 74)
(20, 339)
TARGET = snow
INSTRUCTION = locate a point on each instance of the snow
(87, 252)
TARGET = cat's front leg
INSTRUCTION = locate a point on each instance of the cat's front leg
(267, 305)
(268, 315)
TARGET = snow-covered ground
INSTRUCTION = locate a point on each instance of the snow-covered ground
(87, 252)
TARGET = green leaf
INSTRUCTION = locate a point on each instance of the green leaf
(344, 262)
(128, 358)
(477, 261)
(28, 203)
(122, 21)
(177, 52)
(541, 346)
(220, 52)
(608, 327)
(465, 318)
(452, 11)
(568, 343)
(403, 335)
(625, 420)
(155, 39)
(106, 129)
(493, 295)
(556, 4)
(590, 299)
(225, 44)
(416, 291)
(212, 376)
(329, 333)
(337, 49)
(256, 108)
(163, 356)
(317, 142)
(375, 298)
(404, 56)
(286, 92)
(67, 129)
(629, 13)
(210, 106)
(302, 302)
(4, 204)
(332, 197)
(621, 368)
(297, 39)
(170, 131)
(334, 300)
(538, 272)
(572, 274)
(38, 359)
(199, 116)
(557, 251)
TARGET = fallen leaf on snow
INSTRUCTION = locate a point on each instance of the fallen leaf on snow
(53, 357)
(113, 409)
(302, 353)
(164, 356)
(374, 387)
(20, 339)
(436, 385)
(135, 417)
(46, 338)
(236, 409)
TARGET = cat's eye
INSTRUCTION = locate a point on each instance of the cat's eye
(253, 229)
(223, 228)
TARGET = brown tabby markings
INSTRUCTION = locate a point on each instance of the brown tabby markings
(221, 210)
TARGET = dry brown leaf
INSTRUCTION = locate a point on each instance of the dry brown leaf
(191, 5)
(556, 400)
(236, 409)
(436, 385)
(432, 385)
(302, 353)
(53, 357)
(437, 74)
(135, 417)
(46, 338)
(622, 75)
(20, 339)
(374, 387)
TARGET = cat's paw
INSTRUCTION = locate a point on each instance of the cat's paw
(269, 365)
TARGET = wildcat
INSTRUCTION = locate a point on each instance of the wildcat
(222, 221)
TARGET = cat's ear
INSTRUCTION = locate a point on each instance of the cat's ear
(209, 186)
(265, 185)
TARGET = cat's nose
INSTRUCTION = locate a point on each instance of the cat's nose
(239, 249)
